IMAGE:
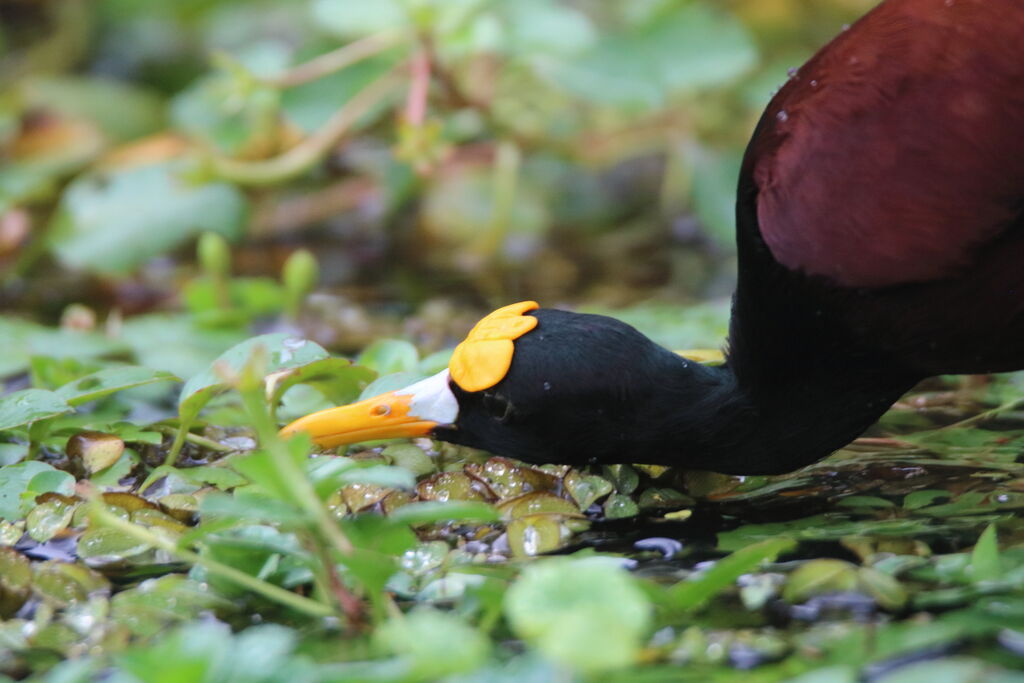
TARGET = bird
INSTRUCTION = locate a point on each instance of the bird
(880, 241)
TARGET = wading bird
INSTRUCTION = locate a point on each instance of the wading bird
(880, 237)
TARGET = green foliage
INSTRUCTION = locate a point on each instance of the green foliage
(586, 614)
(153, 208)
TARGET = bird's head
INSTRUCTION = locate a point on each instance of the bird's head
(539, 385)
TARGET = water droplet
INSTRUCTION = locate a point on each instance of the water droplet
(547, 386)
(792, 71)
(814, 84)
(782, 116)
(845, 27)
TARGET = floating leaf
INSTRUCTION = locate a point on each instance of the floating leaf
(538, 503)
(48, 519)
(64, 583)
(586, 489)
(886, 590)
(410, 458)
(618, 506)
(534, 535)
(434, 511)
(17, 480)
(15, 581)
(95, 450)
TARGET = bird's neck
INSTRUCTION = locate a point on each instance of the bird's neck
(786, 419)
(795, 386)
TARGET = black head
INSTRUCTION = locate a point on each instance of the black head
(584, 388)
(578, 389)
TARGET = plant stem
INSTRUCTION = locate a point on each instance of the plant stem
(179, 440)
(201, 441)
(305, 154)
(267, 590)
(336, 60)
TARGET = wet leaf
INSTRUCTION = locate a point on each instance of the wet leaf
(101, 546)
(95, 450)
(410, 458)
(586, 489)
(623, 477)
(15, 581)
(538, 503)
(63, 583)
(509, 478)
(48, 519)
(618, 506)
(446, 486)
(532, 535)
(19, 486)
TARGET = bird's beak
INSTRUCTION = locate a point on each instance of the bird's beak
(410, 412)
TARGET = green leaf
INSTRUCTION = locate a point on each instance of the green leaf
(357, 18)
(151, 208)
(986, 564)
(173, 342)
(15, 481)
(387, 356)
(336, 378)
(583, 613)
(111, 380)
(691, 595)
(435, 643)
(426, 512)
(688, 48)
(283, 352)
(29, 405)
(713, 193)
(122, 111)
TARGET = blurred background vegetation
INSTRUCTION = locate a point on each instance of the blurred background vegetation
(434, 155)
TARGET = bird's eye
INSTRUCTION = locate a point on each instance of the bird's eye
(497, 405)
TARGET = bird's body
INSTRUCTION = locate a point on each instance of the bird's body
(880, 237)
